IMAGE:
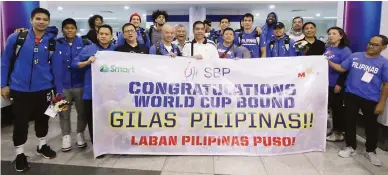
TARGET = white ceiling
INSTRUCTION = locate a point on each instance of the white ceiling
(115, 10)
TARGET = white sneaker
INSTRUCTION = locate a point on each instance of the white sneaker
(347, 152)
(373, 158)
(81, 140)
(66, 143)
(335, 137)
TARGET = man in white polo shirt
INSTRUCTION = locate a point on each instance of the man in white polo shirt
(200, 47)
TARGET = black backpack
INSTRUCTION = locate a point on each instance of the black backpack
(157, 45)
(150, 33)
(21, 38)
(143, 34)
(286, 43)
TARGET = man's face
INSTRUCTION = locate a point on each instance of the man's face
(224, 24)
(130, 33)
(69, 31)
(181, 33)
(309, 30)
(228, 36)
(104, 36)
(375, 46)
(271, 18)
(199, 31)
(278, 32)
(40, 21)
(247, 23)
(135, 21)
(160, 20)
(168, 34)
(98, 22)
(297, 24)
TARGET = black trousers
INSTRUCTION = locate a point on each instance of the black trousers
(338, 110)
(353, 104)
(28, 105)
(88, 111)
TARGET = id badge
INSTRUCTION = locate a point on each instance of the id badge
(367, 77)
(51, 112)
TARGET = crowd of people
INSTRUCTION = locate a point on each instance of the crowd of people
(36, 67)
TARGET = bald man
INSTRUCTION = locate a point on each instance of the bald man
(166, 47)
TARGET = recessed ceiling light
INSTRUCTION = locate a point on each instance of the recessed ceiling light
(126, 7)
(144, 14)
(318, 15)
(271, 6)
(60, 8)
(91, 15)
(257, 14)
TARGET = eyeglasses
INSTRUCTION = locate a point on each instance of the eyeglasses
(372, 45)
(129, 31)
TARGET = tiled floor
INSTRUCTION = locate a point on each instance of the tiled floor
(77, 161)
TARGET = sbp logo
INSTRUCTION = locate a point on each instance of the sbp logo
(190, 72)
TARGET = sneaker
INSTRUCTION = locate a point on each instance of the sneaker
(373, 158)
(66, 143)
(21, 163)
(46, 152)
(81, 140)
(347, 152)
(335, 137)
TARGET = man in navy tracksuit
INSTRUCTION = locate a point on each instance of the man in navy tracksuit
(84, 59)
(34, 74)
(73, 82)
(281, 45)
(268, 28)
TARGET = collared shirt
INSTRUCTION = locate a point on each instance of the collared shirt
(207, 49)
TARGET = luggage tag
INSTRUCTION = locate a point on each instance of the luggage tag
(367, 77)
(50, 111)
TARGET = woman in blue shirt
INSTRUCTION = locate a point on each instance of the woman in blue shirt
(337, 51)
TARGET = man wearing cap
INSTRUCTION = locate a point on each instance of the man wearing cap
(142, 37)
(73, 82)
(281, 45)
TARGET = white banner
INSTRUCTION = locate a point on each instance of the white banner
(147, 104)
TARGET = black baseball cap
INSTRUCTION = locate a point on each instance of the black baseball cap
(279, 25)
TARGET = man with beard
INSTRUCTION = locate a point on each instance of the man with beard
(217, 36)
(166, 47)
(296, 32)
(131, 43)
(141, 36)
(155, 31)
(268, 28)
(181, 36)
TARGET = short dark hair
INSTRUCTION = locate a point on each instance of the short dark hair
(207, 22)
(344, 40)
(307, 23)
(157, 13)
(298, 17)
(224, 17)
(126, 25)
(196, 23)
(383, 38)
(105, 26)
(40, 10)
(69, 21)
(228, 29)
(248, 15)
(92, 19)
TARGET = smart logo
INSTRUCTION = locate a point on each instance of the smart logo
(114, 68)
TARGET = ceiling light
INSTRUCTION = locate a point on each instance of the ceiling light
(271, 6)
(126, 7)
(91, 15)
(318, 15)
(60, 8)
(257, 14)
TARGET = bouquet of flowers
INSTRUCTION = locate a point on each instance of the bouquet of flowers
(60, 104)
(301, 46)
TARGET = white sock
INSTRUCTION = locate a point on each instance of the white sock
(42, 141)
(20, 149)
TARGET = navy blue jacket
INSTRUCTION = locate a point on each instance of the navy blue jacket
(268, 30)
(85, 54)
(278, 48)
(71, 78)
(32, 71)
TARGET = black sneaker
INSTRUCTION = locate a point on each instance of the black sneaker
(46, 152)
(21, 163)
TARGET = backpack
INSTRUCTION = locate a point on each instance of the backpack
(286, 43)
(21, 38)
(143, 34)
(150, 33)
(160, 53)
